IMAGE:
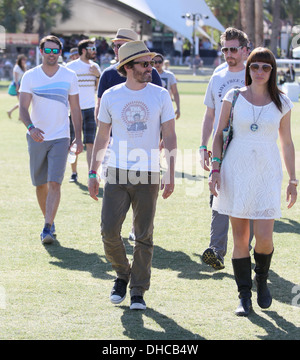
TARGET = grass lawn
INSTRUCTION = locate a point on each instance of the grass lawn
(61, 291)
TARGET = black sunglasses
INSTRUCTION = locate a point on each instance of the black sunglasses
(144, 64)
(233, 49)
(158, 61)
(113, 45)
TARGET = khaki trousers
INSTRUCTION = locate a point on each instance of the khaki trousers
(121, 190)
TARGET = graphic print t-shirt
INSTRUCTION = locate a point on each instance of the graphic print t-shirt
(86, 82)
(219, 84)
(136, 118)
(49, 110)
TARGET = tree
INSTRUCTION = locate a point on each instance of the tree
(10, 15)
(14, 13)
(259, 23)
(275, 26)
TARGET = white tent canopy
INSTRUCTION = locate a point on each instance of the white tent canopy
(169, 12)
(95, 17)
(104, 17)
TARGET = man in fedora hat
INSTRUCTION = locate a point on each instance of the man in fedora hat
(110, 76)
(135, 111)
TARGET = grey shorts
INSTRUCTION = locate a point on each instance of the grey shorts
(47, 160)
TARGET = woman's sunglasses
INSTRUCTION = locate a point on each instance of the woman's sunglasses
(48, 51)
(265, 67)
(233, 49)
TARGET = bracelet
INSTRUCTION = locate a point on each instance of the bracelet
(203, 147)
(30, 127)
(92, 174)
(294, 182)
(216, 159)
(214, 171)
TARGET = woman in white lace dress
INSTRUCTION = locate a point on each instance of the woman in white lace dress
(248, 186)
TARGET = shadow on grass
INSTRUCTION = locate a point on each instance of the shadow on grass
(284, 330)
(134, 328)
(178, 261)
(73, 259)
(287, 226)
(85, 189)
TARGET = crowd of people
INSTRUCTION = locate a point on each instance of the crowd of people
(124, 130)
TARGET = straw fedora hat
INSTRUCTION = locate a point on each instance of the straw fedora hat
(126, 35)
(133, 50)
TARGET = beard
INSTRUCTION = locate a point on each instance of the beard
(142, 76)
(231, 61)
(90, 56)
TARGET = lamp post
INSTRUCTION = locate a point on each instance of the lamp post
(194, 17)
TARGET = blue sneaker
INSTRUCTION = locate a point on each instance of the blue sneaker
(47, 236)
(52, 230)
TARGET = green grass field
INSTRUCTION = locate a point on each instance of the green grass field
(61, 291)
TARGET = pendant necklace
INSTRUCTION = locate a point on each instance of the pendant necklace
(254, 126)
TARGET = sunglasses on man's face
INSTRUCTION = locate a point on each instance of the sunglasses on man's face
(144, 64)
(93, 48)
(265, 67)
(233, 49)
(158, 61)
(54, 51)
(113, 45)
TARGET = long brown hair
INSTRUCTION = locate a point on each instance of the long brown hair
(19, 61)
(261, 54)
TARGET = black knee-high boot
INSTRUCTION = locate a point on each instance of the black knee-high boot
(262, 266)
(242, 274)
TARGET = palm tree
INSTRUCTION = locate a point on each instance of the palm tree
(275, 26)
(259, 24)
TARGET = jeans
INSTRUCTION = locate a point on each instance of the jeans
(117, 198)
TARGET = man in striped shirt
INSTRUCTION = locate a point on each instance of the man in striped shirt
(88, 74)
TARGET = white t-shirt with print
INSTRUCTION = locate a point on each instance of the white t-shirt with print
(219, 84)
(86, 81)
(136, 118)
(49, 110)
(168, 79)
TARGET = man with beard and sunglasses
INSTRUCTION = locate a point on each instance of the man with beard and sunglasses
(111, 77)
(136, 111)
(234, 44)
(88, 73)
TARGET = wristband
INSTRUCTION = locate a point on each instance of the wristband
(294, 182)
(214, 171)
(30, 127)
(92, 174)
(216, 159)
(203, 147)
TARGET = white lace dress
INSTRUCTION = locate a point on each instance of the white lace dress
(251, 172)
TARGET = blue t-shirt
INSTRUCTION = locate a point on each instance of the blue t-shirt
(110, 77)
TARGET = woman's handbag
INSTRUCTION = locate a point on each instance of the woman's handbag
(12, 90)
(228, 131)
